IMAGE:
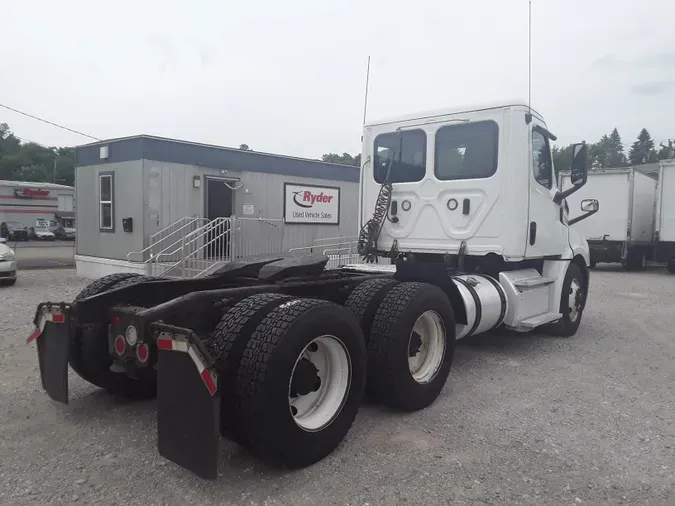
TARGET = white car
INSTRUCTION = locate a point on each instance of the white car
(7, 264)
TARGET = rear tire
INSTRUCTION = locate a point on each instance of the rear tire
(365, 299)
(671, 266)
(94, 355)
(288, 416)
(572, 302)
(636, 259)
(77, 362)
(226, 346)
(396, 378)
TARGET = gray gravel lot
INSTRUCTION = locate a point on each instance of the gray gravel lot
(525, 419)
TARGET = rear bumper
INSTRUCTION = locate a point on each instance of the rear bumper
(188, 407)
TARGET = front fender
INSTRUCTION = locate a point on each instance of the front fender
(579, 246)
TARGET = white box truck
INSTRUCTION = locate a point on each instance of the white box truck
(623, 229)
(664, 221)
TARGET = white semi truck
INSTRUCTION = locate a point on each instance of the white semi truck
(664, 220)
(623, 231)
(276, 353)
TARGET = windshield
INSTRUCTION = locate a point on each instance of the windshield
(15, 225)
(42, 229)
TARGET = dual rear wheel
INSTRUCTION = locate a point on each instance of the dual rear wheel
(293, 371)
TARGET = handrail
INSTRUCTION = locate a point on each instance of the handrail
(154, 244)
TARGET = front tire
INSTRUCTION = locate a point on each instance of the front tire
(572, 302)
(411, 347)
(300, 382)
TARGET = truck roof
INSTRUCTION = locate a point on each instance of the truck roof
(455, 110)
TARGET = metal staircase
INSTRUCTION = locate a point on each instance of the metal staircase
(194, 247)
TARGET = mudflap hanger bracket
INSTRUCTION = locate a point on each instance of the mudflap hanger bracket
(188, 401)
(52, 336)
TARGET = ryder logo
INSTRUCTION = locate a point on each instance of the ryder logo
(307, 199)
(311, 204)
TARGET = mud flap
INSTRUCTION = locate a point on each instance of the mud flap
(52, 335)
(188, 405)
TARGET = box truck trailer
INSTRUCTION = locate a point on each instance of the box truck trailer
(664, 221)
(623, 230)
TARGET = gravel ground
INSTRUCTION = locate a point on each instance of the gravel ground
(525, 419)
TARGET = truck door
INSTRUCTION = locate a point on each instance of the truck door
(546, 234)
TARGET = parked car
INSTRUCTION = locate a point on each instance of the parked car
(64, 233)
(13, 231)
(41, 234)
(7, 264)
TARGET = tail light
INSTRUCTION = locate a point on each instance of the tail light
(120, 345)
(142, 353)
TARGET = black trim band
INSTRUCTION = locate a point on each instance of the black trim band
(476, 300)
(502, 298)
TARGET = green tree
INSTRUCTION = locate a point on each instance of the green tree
(562, 158)
(29, 161)
(244, 147)
(344, 159)
(615, 154)
(642, 150)
(667, 151)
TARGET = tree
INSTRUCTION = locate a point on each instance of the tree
(244, 147)
(615, 154)
(562, 158)
(344, 159)
(29, 161)
(642, 150)
(666, 152)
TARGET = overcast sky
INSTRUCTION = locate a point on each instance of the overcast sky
(288, 76)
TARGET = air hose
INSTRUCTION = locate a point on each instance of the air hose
(370, 232)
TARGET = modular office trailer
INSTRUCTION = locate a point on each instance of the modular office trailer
(131, 188)
(665, 215)
(623, 229)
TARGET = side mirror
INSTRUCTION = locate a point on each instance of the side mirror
(579, 172)
(590, 205)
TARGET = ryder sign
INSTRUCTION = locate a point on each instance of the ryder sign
(311, 204)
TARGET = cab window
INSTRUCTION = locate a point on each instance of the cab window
(467, 151)
(541, 160)
(401, 155)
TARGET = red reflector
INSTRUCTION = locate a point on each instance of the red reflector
(208, 381)
(142, 352)
(120, 345)
(58, 318)
(116, 321)
(165, 344)
(34, 335)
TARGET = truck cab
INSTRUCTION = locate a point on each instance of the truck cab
(474, 189)
(482, 176)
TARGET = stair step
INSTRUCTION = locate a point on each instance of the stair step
(534, 281)
(536, 321)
